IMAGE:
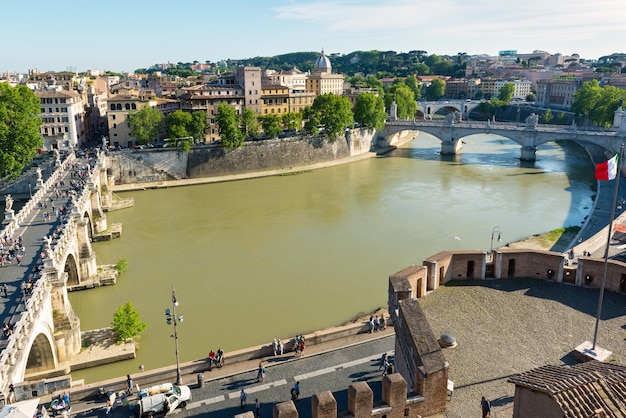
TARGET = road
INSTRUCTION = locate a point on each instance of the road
(334, 370)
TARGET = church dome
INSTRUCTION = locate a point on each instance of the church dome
(322, 64)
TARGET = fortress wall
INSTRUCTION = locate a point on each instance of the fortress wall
(210, 161)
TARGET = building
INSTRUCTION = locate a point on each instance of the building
(457, 89)
(63, 119)
(491, 87)
(322, 80)
(275, 99)
(294, 79)
(591, 389)
(557, 93)
(120, 106)
(249, 78)
(207, 97)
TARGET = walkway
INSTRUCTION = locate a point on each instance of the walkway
(32, 233)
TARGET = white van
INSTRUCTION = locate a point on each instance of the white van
(165, 388)
(164, 403)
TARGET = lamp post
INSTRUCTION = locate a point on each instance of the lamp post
(172, 318)
(495, 232)
(30, 193)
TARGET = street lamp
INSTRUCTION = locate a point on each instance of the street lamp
(30, 193)
(495, 232)
(172, 318)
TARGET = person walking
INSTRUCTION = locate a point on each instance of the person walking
(275, 347)
(296, 390)
(129, 385)
(5, 290)
(242, 399)
(385, 367)
(383, 361)
(485, 406)
(281, 347)
(257, 407)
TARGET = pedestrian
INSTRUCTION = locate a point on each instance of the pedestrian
(383, 360)
(371, 323)
(485, 405)
(257, 407)
(301, 347)
(11, 393)
(281, 347)
(376, 323)
(260, 372)
(296, 389)
(66, 399)
(275, 347)
(242, 399)
(383, 323)
(385, 366)
(129, 385)
(293, 395)
(5, 290)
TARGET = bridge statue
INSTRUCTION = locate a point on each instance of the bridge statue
(38, 174)
(532, 121)
(8, 203)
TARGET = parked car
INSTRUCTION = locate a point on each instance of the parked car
(164, 403)
(165, 388)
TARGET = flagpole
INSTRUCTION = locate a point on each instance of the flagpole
(608, 243)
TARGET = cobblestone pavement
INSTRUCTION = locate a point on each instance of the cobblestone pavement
(505, 327)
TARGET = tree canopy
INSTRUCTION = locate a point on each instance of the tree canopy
(404, 98)
(436, 90)
(597, 103)
(228, 125)
(271, 125)
(126, 323)
(369, 111)
(145, 124)
(19, 128)
(505, 93)
(333, 112)
(249, 122)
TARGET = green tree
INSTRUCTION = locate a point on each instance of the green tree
(597, 103)
(547, 116)
(19, 128)
(226, 119)
(531, 97)
(197, 126)
(145, 124)
(311, 121)
(436, 90)
(249, 123)
(271, 125)
(369, 111)
(335, 114)
(414, 85)
(405, 100)
(505, 94)
(292, 121)
(177, 123)
(127, 324)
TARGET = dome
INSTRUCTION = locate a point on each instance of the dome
(322, 64)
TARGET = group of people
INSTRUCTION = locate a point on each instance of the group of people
(298, 345)
(11, 249)
(7, 329)
(377, 323)
(216, 359)
(278, 347)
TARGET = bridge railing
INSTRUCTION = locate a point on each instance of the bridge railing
(11, 356)
(39, 195)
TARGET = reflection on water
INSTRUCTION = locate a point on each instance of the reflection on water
(268, 258)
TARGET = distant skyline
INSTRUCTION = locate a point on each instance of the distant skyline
(125, 35)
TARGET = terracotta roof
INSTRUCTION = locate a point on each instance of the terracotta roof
(582, 389)
(56, 93)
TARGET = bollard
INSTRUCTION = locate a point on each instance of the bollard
(200, 380)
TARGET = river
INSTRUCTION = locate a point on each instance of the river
(273, 257)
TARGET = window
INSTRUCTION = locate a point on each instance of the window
(49, 110)
(43, 110)
(127, 106)
(114, 125)
(113, 117)
(133, 106)
(67, 129)
(119, 106)
(113, 107)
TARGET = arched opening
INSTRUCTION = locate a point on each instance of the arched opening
(71, 270)
(41, 356)
(443, 112)
(89, 226)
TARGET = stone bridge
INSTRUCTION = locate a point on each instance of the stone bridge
(529, 135)
(426, 110)
(46, 332)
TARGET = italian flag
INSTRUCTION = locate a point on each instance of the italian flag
(607, 170)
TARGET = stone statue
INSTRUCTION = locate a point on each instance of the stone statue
(532, 121)
(38, 173)
(48, 245)
(8, 201)
(450, 118)
(57, 155)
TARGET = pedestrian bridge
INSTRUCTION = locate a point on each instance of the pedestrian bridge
(529, 135)
(46, 332)
(426, 109)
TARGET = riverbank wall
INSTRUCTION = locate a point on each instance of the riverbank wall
(165, 167)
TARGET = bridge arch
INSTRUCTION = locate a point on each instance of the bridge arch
(90, 226)
(41, 356)
(71, 269)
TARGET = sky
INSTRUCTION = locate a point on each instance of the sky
(125, 35)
